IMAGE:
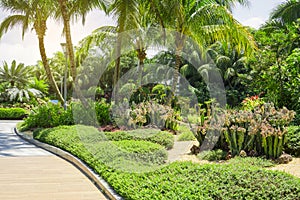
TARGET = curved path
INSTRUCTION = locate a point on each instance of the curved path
(28, 172)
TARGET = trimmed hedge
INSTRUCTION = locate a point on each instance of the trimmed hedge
(183, 180)
(12, 113)
(163, 138)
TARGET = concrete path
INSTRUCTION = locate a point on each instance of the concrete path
(28, 172)
(180, 150)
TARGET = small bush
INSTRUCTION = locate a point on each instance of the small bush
(212, 155)
(12, 113)
(152, 135)
(91, 112)
(53, 115)
(292, 145)
(47, 116)
(185, 134)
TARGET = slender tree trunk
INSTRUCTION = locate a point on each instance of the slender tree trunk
(180, 39)
(47, 68)
(67, 29)
(141, 52)
(118, 62)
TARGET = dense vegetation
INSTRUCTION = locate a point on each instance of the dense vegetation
(233, 88)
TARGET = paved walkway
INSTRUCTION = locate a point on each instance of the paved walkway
(28, 172)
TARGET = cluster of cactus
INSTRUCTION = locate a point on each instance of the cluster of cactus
(156, 114)
(261, 130)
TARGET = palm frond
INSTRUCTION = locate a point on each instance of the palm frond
(286, 12)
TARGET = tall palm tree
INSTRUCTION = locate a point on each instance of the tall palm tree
(205, 22)
(27, 13)
(286, 12)
(68, 10)
(125, 12)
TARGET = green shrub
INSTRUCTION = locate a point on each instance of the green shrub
(185, 134)
(163, 138)
(212, 155)
(91, 112)
(47, 116)
(183, 180)
(53, 115)
(102, 112)
(12, 113)
(292, 145)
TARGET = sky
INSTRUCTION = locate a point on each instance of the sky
(13, 47)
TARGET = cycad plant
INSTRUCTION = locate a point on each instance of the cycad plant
(17, 79)
(31, 14)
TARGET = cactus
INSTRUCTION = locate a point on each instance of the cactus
(275, 147)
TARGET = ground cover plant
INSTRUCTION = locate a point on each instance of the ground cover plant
(122, 154)
(181, 180)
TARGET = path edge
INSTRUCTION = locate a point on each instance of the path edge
(86, 170)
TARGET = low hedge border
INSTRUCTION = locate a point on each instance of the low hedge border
(12, 113)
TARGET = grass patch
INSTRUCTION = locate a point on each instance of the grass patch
(182, 180)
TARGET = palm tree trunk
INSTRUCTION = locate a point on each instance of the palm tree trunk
(141, 56)
(47, 68)
(180, 39)
(67, 29)
(118, 62)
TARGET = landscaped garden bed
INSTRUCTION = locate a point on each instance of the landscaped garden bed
(179, 180)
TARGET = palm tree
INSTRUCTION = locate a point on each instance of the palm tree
(35, 13)
(68, 10)
(205, 22)
(229, 4)
(286, 12)
(140, 37)
(125, 12)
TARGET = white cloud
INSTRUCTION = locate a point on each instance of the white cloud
(254, 22)
(18, 52)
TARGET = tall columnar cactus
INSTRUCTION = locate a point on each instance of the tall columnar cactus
(261, 129)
